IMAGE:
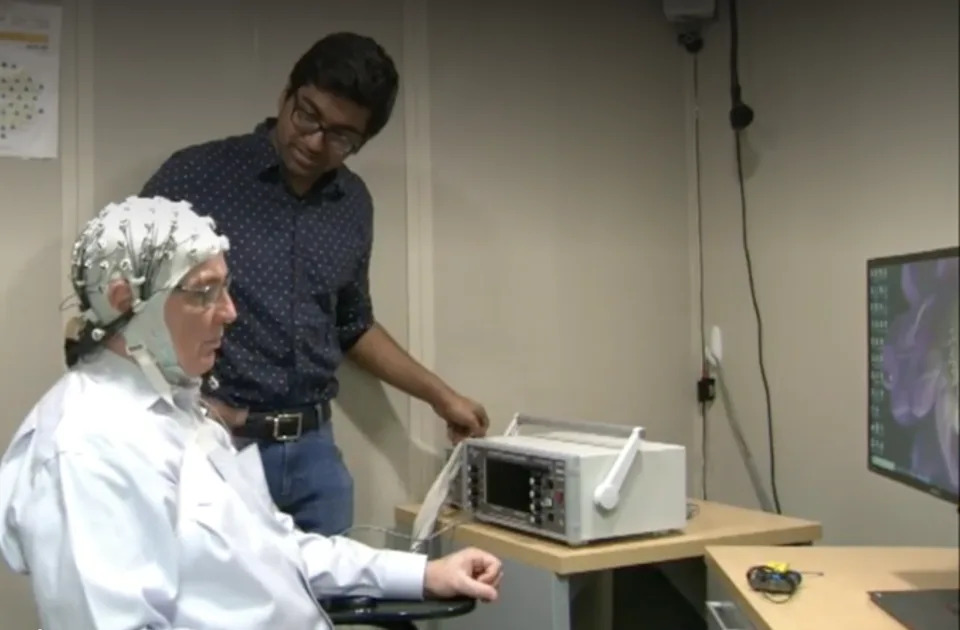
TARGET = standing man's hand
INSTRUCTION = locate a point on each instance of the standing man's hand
(464, 417)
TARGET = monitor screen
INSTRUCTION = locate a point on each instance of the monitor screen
(912, 400)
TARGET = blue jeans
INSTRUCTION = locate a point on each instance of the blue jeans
(309, 481)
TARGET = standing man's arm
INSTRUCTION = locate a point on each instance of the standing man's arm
(371, 347)
(377, 353)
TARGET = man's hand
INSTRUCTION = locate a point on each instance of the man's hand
(469, 572)
(231, 416)
(464, 417)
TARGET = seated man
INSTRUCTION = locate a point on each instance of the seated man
(124, 500)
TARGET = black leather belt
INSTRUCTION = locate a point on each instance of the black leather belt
(283, 425)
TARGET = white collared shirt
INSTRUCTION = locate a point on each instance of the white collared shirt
(130, 514)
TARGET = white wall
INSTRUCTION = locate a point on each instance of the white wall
(853, 154)
(561, 267)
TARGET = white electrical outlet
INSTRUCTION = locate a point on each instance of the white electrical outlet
(714, 349)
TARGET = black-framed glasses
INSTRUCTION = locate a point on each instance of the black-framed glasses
(206, 295)
(341, 141)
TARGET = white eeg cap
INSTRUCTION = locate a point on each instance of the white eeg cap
(152, 243)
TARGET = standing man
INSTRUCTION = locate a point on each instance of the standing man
(301, 228)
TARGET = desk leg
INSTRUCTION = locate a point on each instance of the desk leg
(559, 604)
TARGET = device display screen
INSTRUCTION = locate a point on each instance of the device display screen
(508, 485)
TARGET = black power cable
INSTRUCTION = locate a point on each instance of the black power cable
(692, 41)
(741, 115)
(704, 368)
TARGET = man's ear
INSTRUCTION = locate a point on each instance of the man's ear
(120, 295)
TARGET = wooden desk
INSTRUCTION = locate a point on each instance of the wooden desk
(544, 579)
(838, 598)
(712, 524)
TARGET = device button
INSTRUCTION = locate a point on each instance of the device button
(546, 502)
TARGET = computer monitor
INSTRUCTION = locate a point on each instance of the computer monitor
(913, 321)
(912, 429)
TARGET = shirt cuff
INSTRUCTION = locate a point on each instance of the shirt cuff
(402, 574)
(348, 336)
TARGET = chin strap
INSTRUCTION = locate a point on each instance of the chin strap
(146, 362)
(150, 345)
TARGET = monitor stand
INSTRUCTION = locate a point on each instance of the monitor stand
(924, 609)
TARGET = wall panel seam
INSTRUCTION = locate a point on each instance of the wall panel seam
(423, 428)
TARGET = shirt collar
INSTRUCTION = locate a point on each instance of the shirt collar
(111, 369)
(267, 161)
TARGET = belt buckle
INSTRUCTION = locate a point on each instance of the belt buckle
(286, 416)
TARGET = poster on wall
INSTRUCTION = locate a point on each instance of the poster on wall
(29, 80)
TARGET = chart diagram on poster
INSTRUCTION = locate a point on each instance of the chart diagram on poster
(29, 80)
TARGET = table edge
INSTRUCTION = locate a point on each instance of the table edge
(801, 532)
(739, 596)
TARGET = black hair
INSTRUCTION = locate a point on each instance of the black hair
(78, 344)
(353, 67)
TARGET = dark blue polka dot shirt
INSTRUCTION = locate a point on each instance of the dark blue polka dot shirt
(299, 268)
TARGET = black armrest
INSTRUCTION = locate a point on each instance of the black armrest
(369, 610)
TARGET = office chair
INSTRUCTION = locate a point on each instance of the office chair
(391, 614)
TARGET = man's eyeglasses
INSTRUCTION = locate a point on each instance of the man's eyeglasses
(341, 141)
(206, 295)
